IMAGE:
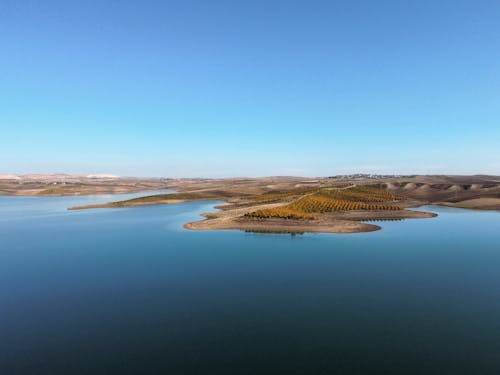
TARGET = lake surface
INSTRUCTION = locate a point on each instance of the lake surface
(128, 291)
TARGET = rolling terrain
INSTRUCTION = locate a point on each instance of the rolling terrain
(340, 204)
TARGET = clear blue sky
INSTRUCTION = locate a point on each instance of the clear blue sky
(248, 88)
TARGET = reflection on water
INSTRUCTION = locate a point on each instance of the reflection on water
(128, 291)
(262, 231)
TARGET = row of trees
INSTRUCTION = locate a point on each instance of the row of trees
(362, 194)
(320, 203)
(367, 198)
(279, 212)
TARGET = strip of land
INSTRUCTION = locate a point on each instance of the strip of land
(475, 204)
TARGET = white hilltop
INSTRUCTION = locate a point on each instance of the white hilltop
(9, 177)
(101, 176)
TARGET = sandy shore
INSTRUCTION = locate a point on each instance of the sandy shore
(283, 226)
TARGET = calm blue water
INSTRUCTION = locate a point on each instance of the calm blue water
(128, 291)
